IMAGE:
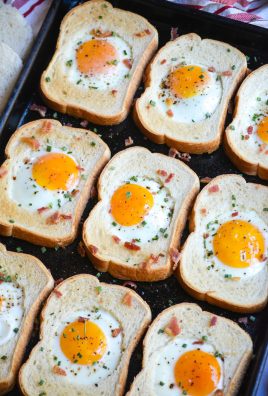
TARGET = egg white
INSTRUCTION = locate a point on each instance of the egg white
(155, 224)
(214, 263)
(164, 360)
(196, 108)
(89, 374)
(27, 193)
(11, 311)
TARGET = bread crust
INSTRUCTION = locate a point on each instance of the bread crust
(121, 271)
(123, 375)
(35, 237)
(6, 384)
(193, 147)
(90, 115)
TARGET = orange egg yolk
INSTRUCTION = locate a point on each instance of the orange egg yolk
(130, 203)
(1, 302)
(55, 171)
(96, 56)
(188, 81)
(197, 372)
(262, 130)
(83, 342)
(237, 243)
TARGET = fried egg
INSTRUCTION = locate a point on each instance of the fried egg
(140, 210)
(84, 346)
(97, 60)
(11, 310)
(235, 244)
(191, 93)
(46, 179)
(183, 368)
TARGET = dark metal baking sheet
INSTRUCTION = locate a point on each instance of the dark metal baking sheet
(66, 262)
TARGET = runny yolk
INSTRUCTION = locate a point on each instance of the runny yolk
(188, 81)
(262, 130)
(238, 244)
(1, 302)
(96, 56)
(55, 171)
(83, 342)
(197, 372)
(130, 203)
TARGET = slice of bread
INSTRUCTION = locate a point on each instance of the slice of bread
(188, 87)
(10, 67)
(15, 31)
(246, 138)
(99, 61)
(24, 284)
(134, 230)
(46, 180)
(183, 328)
(85, 299)
(224, 259)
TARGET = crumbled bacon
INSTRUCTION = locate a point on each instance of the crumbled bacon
(42, 110)
(82, 319)
(169, 113)
(128, 141)
(69, 124)
(161, 172)
(80, 168)
(66, 216)
(214, 188)
(175, 256)
(205, 180)
(131, 246)
(100, 33)
(213, 321)
(243, 320)
(226, 73)
(93, 249)
(128, 63)
(54, 218)
(174, 33)
(163, 61)
(198, 342)
(130, 284)
(81, 249)
(114, 92)
(57, 292)
(205, 235)
(116, 332)
(173, 327)
(154, 258)
(211, 69)
(42, 209)
(59, 371)
(46, 127)
(173, 152)
(170, 177)
(31, 141)
(203, 211)
(3, 172)
(145, 32)
(127, 299)
(84, 123)
(250, 130)
(116, 239)
(234, 214)
(182, 156)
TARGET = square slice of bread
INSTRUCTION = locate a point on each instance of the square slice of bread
(211, 256)
(46, 214)
(84, 293)
(145, 249)
(24, 284)
(100, 57)
(189, 119)
(184, 325)
(247, 148)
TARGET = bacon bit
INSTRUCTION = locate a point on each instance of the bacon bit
(100, 33)
(69, 124)
(93, 249)
(59, 371)
(74, 193)
(84, 123)
(169, 113)
(58, 281)
(154, 258)
(173, 152)
(213, 321)
(54, 218)
(211, 69)
(128, 63)
(82, 319)
(205, 180)
(57, 292)
(175, 256)
(203, 211)
(130, 284)
(169, 101)
(163, 61)
(234, 214)
(250, 130)
(80, 168)
(46, 127)
(116, 239)
(145, 32)
(127, 299)
(161, 172)
(170, 177)
(81, 249)
(262, 147)
(42, 209)
(205, 235)
(247, 137)
(235, 278)
(42, 110)
(131, 246)
(31, 141)
(226, 73)
(174, 33)
(173, 327)
(218, 392)
(128, 141)
(66, 216)
(116, 332)
(243, 320)
(114, 92)
(198, 342)
(3, 172)
(214, 188)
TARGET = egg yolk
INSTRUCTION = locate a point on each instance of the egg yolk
(237, 243)
(83, 342)
(55, 171)
(130, 203)
(188, 81)
(96, 56)
(1, 302)
(197, 372)
(262, 130)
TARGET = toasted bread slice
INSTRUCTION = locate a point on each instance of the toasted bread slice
(24, 284)
(99, 61)
(246, 138)
(188, 87)
(99, 303)
(184, 328)
(134, 230)
(46, 180)
(224, 259)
